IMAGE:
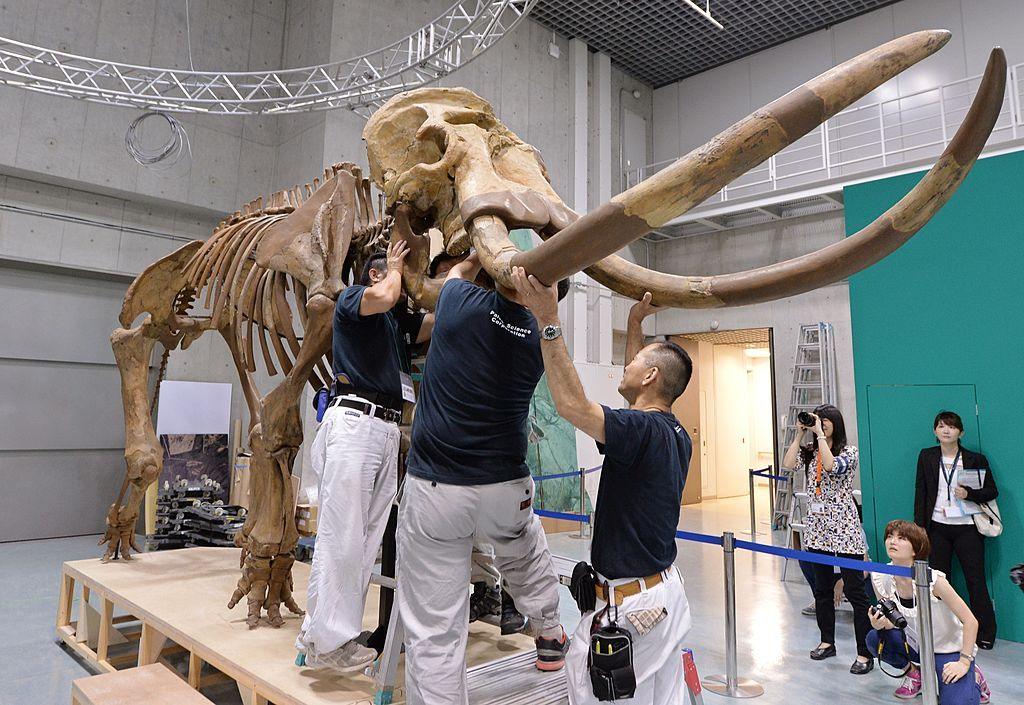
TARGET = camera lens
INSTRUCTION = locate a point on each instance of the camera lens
(805, 418)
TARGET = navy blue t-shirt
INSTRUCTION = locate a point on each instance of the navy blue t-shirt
(646, 458)
(369, 351)
(483, 365)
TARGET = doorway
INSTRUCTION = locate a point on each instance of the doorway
(729, 411)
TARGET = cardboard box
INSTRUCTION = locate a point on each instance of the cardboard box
(306, 516)
(241, 476)
(240, 481)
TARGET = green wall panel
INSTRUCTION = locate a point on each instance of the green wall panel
(935, 323)
(552, 447)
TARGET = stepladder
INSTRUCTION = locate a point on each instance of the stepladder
(814, 384)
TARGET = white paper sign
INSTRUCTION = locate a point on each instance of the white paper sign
(193, 408)
(971, 479)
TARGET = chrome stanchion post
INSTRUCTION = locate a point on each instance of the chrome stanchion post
(753, 507)
(771, 499)
(731, 685)
(926, 638)
(584, 526)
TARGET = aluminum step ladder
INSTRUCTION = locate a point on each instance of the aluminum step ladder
(814, 383)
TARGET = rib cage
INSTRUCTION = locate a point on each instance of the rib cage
(254, 303)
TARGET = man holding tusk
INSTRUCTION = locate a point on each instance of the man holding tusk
(355, 457)
(467, 481)
(637, 595)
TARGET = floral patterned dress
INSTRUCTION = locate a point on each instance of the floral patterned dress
(836, 529)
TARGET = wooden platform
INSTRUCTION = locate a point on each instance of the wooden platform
(180, 599)
(160, 685)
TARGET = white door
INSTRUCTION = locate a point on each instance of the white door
(732, 421)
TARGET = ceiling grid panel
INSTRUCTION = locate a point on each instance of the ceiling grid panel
(664, 41)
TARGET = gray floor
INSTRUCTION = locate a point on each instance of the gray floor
(773, 637)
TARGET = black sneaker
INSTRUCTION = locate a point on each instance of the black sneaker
(484, 602)
(551, 653)
(512, 622)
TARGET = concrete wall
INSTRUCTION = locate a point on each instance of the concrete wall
(688, 113)
(81, 142)
(73, 204)
(60, 456)
(747, 248)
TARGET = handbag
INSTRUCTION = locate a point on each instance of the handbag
(989, 521)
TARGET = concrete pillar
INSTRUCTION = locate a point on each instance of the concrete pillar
(576, 301)
(601, 327)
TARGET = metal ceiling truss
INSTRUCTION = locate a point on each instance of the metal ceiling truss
(463, 32)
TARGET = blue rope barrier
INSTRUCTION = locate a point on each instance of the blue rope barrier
(699, 538)
(765, 473)
(562, 515)
(574, 473)
(825, 559)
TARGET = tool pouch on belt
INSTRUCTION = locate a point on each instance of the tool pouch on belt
(611, 663)
(320, 400)
(583, 587)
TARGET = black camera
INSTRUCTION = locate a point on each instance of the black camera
(891, 612)
(805, 418)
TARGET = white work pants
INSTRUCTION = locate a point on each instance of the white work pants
(355, 458)
(437, 526)
(657, 655)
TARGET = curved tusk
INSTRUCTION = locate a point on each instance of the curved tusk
(839, 260)
(704, 171)
(421, 289)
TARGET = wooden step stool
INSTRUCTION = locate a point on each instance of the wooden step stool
(153, 685)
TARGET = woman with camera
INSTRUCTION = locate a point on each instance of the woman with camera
(832, 526)
(942, 474)
(895, 635)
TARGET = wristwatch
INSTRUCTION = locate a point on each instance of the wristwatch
(551, 332)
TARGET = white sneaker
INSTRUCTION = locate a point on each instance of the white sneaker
(347, 658)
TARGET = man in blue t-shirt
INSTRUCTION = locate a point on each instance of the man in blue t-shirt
(468, 481)
(646, 457)
(355, 456)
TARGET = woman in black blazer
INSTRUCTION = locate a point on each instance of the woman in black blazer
(941, 473)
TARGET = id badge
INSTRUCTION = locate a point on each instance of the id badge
(408, 391)
(953, 511)
(817, 507)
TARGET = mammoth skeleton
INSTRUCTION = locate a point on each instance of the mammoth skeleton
(443, 160)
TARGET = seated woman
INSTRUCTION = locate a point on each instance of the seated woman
(954, 627)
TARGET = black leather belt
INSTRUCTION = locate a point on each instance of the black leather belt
(377, 398)
(380, 412)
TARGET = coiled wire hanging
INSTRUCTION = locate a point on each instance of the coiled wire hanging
(170, 153)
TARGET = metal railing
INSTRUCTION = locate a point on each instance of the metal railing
(882, 134)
